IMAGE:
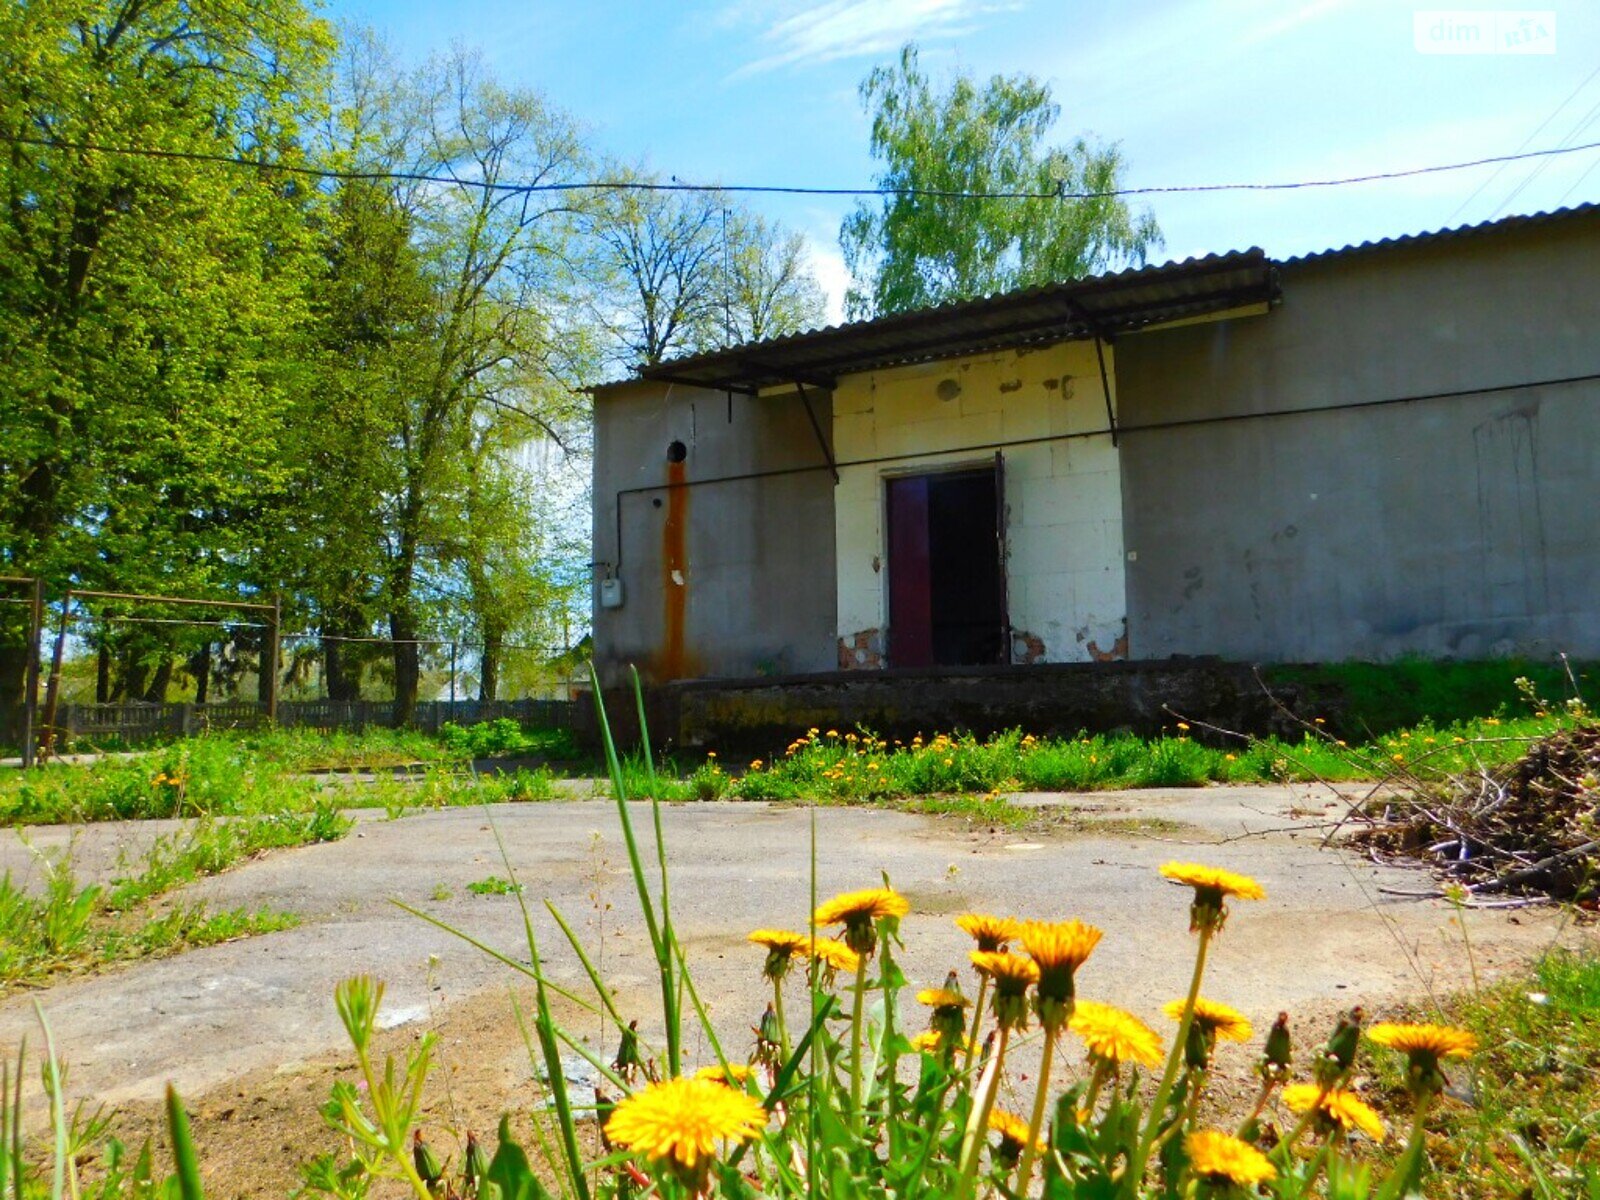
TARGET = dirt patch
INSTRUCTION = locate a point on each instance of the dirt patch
(255, 1131)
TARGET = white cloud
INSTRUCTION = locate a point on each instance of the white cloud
(835, 29)
(827, 265)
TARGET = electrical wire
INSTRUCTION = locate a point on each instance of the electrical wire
(1559, 109)
(677, 185)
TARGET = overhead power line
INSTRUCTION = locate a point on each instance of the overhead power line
(674, 184)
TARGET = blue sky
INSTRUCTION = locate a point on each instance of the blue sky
(1196, 91)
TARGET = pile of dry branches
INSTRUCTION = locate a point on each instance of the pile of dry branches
(1530, 829)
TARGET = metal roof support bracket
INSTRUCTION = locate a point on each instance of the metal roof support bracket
(816, 428)
(1105, 385)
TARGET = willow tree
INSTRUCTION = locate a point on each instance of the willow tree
(908, 250)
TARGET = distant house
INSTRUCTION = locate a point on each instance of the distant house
(1383, 450)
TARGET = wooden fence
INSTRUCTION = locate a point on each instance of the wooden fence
(140, 722)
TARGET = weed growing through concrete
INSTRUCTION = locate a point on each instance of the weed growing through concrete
(59, 925)
(493, 885)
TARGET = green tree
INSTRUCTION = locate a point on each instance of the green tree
(149, 306)
(462, 329)
(912, 251)
(772, 291)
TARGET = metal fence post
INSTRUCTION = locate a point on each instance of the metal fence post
(52, 696)
(269, 660)
(30, 701)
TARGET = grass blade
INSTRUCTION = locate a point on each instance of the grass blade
(183, 1154)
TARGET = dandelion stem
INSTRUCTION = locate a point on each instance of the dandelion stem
(983, 1104)
(1040, 1096)
(1134, 1178)
(977, 1019)
(855, 1042)
(1260, 1106)
(1405, 1171)
(1097, 1079)
(777, 1007)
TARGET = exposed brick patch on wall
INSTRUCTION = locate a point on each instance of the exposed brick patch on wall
(1118, 651)
(1026, 648)
(861, 651)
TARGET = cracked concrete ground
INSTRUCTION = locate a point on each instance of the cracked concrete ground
(1325, 936)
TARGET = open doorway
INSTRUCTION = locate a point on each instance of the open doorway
(947, 602)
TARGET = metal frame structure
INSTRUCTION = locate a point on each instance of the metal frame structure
(30, 699)
(270, 655)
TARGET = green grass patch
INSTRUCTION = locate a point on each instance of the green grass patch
(1532, 1126)
(62, 926)
(1379, 698)
(859, 767)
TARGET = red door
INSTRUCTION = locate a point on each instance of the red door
(910, 574)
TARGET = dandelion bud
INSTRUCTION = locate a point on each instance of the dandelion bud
(476, 1165)
(1340, 1053)
(768, 1033)
(1197, 1047)
(424, 1159)
(1278, 1054)
(626, 1063)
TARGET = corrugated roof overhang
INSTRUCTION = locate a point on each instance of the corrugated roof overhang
(1101, 306)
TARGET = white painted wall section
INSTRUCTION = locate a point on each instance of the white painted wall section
(1065, 573)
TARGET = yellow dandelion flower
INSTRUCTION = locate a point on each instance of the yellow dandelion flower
(783, 941)
(1338, 1107)
(1012, 975)
(949, 761)
(782, 946)
(1213, 879)
(678, 1122)
(1424, 1046)
(1441, 1041)
(1216, 1019)
(836, 956)
(942, 998)
(755, 764)
(1058, 949)
(1115, 1036)
(869, 904)
(734, 1074)
(1003, 966)
(991, 933)
(1059, 945)
(928, 1042)
(1212, 888)
(1013, 1131)
(833, 733)
(1222, 1158)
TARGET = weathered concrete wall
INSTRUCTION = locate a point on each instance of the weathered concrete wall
(719, 579)
(1064, 502)
(1461, 527)
(1060, 699)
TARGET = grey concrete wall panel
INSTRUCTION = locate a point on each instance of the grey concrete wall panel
(1459, 527)
(757, 590)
